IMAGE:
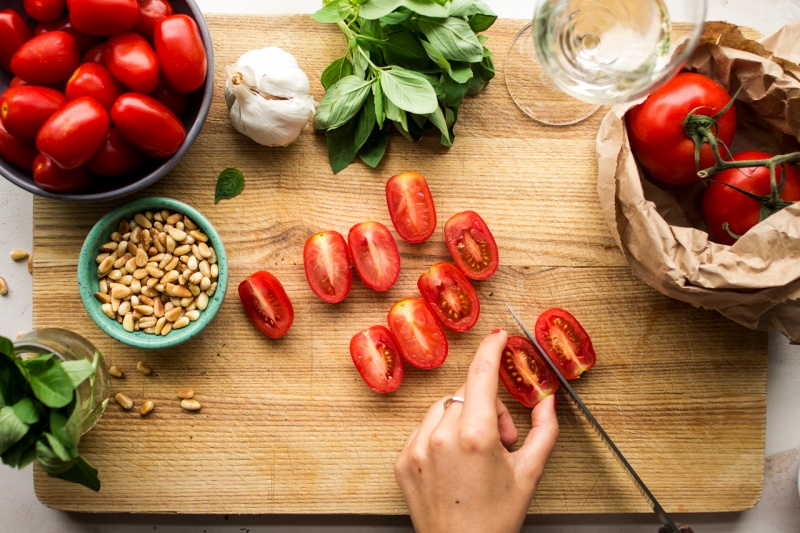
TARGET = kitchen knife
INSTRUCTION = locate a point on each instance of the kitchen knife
(668, 525)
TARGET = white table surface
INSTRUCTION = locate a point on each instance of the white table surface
(778, 511)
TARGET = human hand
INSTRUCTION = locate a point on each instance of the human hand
(455, 471)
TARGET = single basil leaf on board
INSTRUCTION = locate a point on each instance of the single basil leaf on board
(23, 452)
(438, 120)
(51, 385)
(82, 473)
(377, 94)
(365, 123)
(229, 184)
(375, 9)
(467, 8)
(453, 38)
(409, 91)
(373, 150)
(78, 370)
(341, 149)
(337, 70)
(12, 429)
(341, 102)
(332, 13)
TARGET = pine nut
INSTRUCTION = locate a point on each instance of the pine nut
(188, 222)
(202, 301)
(166, 329)
(115, 303)
(212, 289)
(126, 280)
(186, 394)
(191, 405)
(205, 284)
(205, 268)
(124, 400)
(199, 236)
(147, 408)
(146, 240)
(154, 271)
(171, 244)
(105, 266)
(192, 315)
(123, 226)
(30, 264)
(107, 247)
(174, 219)
(214, 271)
(182, 322)
(103, 297)
(146, 310)
(136, 286)
(147, 322)
(143, 368)
(136, 235)
(173, 314)
(3, 286)
(132, 248)
(114, 275)
(122, 248)
(127, 323)
(117, 236)
(115, 372)
(196, 253)
(177, 234)
(158, 308)
(186, 302)
(121, 292)
(183, 249)
(108, 311)
(142, 221)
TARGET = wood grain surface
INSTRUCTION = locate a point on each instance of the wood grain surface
(288, 426)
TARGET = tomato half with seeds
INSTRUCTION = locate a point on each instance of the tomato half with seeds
(525, 373)
(411, 206)
(419, 336)
(266, 304)
(375, 255)
(472, 245)
(565, 342)
(451, 296)
(326, 259)
(377, 359)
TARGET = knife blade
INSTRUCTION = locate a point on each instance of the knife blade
(668, 525)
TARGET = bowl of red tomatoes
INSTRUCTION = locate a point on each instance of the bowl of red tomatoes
(100, 98)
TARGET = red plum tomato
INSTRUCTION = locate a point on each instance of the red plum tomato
(565, 342)
(377, 359)
(51, 177)
(418, 334)
(44, 10)
(132, 60)
(181, 53)
(74, 133)
(266, 304)
(47, 58)
(375, 255)
(116, 157)
(176, 102)
(451, 296)
(95, 80)
(151, 11)
(14, 32)
(103, 17)
(83, 40)
(96, 54)
(472, 245)
(16, 151)
(525, 373)
(326, 260)
(148, 125)
(411, 206)
(25, 108)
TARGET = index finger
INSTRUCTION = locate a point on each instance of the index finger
(480, 393)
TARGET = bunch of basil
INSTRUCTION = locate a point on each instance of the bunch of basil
(409, 63)
(39, 414)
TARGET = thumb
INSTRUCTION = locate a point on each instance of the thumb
(540, 442)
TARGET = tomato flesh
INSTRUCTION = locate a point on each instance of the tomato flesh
(451, 296)
(525, 373)
(377, 359)
(375, 255)
(418, 334)
(326, 260)
(411, 206)
(565, 342)
(266, 304)
(472, 245)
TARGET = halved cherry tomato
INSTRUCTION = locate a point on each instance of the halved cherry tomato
(74, 133)
(95, 80)
(176, 102)
(25, 108)
(62, 23)
(525, 373)
(53, 178)
(375, 255)
(565, 342)
(411, 206)
(132, 60)
(151, 12)
(14, 32)
(44, 10)
(47, 58)
(181, 53)
(377, 359)
(266, 304)
(326, 259)
(472, 245)
(16, 151)
(116, 157)
(418, 334)
(148, 125)
(451, 296)
(103, 17)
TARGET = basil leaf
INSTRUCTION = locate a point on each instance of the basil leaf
(49, 459)
(58, 447)
(27, 411)
(408, 91)
(337, 70)
(461, 72)
(453, 38)
(65, 435)
(341, 149)
(373, 150)
(38, 363)
(365, 123)
(23, 452)
(375, 9)
(230, 184)
(372, 28)
(404, 49)
(480, 23)
(377, 93)
(428, 8)
(12, 429)
(397, 17)
(438, 120)
(341, 102)
(361, 66)
(50, 384)
(436, 56)
(78, 370)
(467, 8)
(82, 473)
(332, 13)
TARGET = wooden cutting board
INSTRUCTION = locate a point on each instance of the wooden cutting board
(288, 426)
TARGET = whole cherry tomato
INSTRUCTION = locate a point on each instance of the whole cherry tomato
(181, 53)
(151, 12)
(44, 10)
(74, 133)
(53, 178)
(62, 23)
(411, 206)
(418, 334)
(525, 373)
(451, 296)
(565, 342)
(96, 54)
(326, 260)
(47, 58)
(116, 157)
(148, 125)
(131, 59)
(25, 108)
(14, 32)
(728, 211)
(266, 304)
(103, 17)
(16, 81)
(93, 79)
(657, 136)
(377, 359)
(16, 151)
(375, 255)
(471, 245)
(176, 102)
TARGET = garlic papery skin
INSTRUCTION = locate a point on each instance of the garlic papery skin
(268, 96)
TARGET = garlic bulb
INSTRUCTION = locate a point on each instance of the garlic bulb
(268, 96)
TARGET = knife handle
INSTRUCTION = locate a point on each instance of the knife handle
(683, 528)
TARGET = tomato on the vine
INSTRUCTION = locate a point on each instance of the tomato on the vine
(25, 108)
(565, 342)
(132, 60)
(418, 334)
(266, 304)
(411, 206)
(730, 213)
(326, 260)
(74, 133)
(47, 58)
(103, 17)
(14, 32)
(472, 245)
(451, 296)
(525, 373)
(181, 53)
(656, 132)
(377, 359)
(375, 255)
(148, 125)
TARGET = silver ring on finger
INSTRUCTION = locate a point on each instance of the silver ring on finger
(451, 399)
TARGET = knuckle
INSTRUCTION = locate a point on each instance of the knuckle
(474, 439)
(480, 367)
(439, 442)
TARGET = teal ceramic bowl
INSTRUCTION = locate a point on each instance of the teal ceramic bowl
(89, 284)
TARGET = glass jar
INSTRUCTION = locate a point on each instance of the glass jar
(92, 394)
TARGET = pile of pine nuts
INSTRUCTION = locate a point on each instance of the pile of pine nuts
(186, 396)
(157, 273)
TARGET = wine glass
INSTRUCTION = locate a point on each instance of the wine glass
(599, 52)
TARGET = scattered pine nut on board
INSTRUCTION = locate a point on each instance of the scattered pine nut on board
(288, 426)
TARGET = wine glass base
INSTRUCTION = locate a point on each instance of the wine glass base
(534, 92)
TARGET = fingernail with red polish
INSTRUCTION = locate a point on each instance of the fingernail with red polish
(498, 330)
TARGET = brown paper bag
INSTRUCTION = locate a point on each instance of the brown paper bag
(659, 228)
